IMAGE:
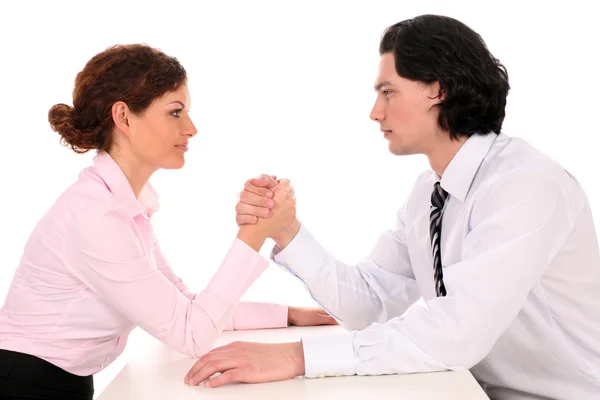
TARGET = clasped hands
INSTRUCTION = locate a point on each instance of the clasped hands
(266, 208)
(269, 206)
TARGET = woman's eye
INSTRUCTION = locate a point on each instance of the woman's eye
(175, 113)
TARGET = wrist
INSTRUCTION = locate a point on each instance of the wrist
(252, 236)
(298, 359)
(291, 315)
(287, 234)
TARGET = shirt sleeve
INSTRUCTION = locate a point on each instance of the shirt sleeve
(165, 268)
(382, 285)
(247, 315)
(110, 259)
(254, 315)
(519, 223)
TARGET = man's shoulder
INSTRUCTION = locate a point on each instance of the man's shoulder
(512, 156)
(516, 166)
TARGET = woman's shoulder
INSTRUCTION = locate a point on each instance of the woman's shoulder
(87, 200)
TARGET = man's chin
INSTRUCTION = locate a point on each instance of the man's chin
(399, 150)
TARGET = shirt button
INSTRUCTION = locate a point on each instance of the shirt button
(288, 262)
(338, 374)
(322, 376)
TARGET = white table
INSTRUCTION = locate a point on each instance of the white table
(158, 374)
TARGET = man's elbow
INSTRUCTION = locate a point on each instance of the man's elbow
(465, 355)
(362, 319)
(359, 322)
(350, 324)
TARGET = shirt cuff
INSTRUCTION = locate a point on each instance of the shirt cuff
(329, 355)
(250, 315)
(303, 256)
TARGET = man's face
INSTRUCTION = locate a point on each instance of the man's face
(405, 110)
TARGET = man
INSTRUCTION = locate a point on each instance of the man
(498, 239)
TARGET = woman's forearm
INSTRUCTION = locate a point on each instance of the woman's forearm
(252, 236)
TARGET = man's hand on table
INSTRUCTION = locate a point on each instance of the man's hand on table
(248, 362)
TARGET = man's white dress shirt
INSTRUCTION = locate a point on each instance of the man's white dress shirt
(521, 268)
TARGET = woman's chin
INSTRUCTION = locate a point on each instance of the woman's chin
(176, 162)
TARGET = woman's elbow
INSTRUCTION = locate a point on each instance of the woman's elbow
(197, 343)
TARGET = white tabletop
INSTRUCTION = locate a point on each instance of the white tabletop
(158, 374)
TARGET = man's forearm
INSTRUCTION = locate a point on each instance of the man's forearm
(370, 286)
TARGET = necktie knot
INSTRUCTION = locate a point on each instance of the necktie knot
(438, 196)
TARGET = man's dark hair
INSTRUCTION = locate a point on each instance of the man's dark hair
(473, 83)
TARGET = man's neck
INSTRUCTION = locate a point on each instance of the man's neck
(442, 152)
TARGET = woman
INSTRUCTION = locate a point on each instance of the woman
(92, 269)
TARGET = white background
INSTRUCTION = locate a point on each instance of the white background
(283, 88)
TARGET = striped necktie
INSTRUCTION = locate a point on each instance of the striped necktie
(438, 198)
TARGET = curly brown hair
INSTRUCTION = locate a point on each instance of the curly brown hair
(136, 74)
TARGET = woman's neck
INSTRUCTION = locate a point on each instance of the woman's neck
(135, 170)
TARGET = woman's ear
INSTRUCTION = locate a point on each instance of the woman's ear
(120, 116)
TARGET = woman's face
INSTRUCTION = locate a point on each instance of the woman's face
(159, 136)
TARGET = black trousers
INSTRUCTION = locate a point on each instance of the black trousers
(23, 376)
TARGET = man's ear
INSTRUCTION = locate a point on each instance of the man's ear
(434, 91)
(437, 91)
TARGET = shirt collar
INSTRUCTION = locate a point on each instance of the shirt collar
(459, 174)
(147, 202)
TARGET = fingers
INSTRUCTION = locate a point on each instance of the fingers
(255, 199)
(282, 190)
(253, 203)
(198, 365)
(242, 219)
(325, 319)
(246, 209)
(264, 181)
(210, 367)
(214, 354)
(232, 375)
(207, 370)
(284, 182)
(261, 191)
